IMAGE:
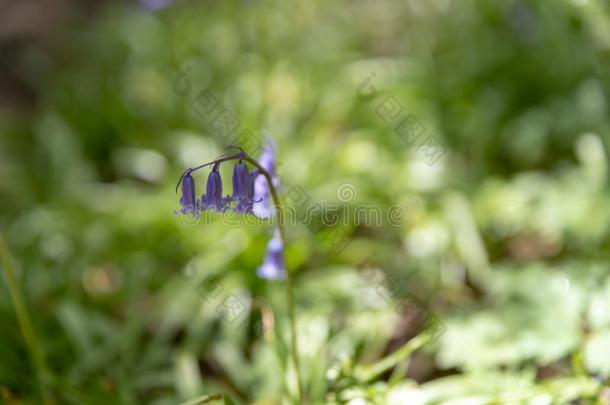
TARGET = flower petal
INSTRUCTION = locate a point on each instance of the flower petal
(273, 267)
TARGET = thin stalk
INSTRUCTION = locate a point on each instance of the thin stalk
(24, 320)
(221, 159)
(383, 365)
(289, 281)
(218, 160)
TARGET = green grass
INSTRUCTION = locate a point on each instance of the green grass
(490, 287)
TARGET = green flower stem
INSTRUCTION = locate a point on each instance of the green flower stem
(23, 317)
(370, 373)
(294, 349)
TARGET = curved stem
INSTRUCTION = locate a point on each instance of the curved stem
(289, 282)
(215, 161)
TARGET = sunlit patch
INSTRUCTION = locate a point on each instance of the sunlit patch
(101, 280)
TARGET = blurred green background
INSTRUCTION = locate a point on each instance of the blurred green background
(503, 240)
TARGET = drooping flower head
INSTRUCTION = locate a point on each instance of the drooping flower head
(251, 194)
(188, 199)
(213, 199)
(241, 179)
(273, 267)
(262, 206)
(243, 188)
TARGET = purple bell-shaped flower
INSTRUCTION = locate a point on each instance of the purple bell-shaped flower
(213, 199)
(243, 188)
(262, 206)
(188, 199)
(273, 267)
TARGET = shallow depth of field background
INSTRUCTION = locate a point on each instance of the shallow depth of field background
(504, 240)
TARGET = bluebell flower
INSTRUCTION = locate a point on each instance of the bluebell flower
(273, 267)
(251, 194)
(243, 188)
(253, 175)
(213, 199)
(241, 180)
(188, 199)
(262, 206)
(267, 160)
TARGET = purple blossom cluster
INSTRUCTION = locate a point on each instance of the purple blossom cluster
(251, 195)
(251, 191)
